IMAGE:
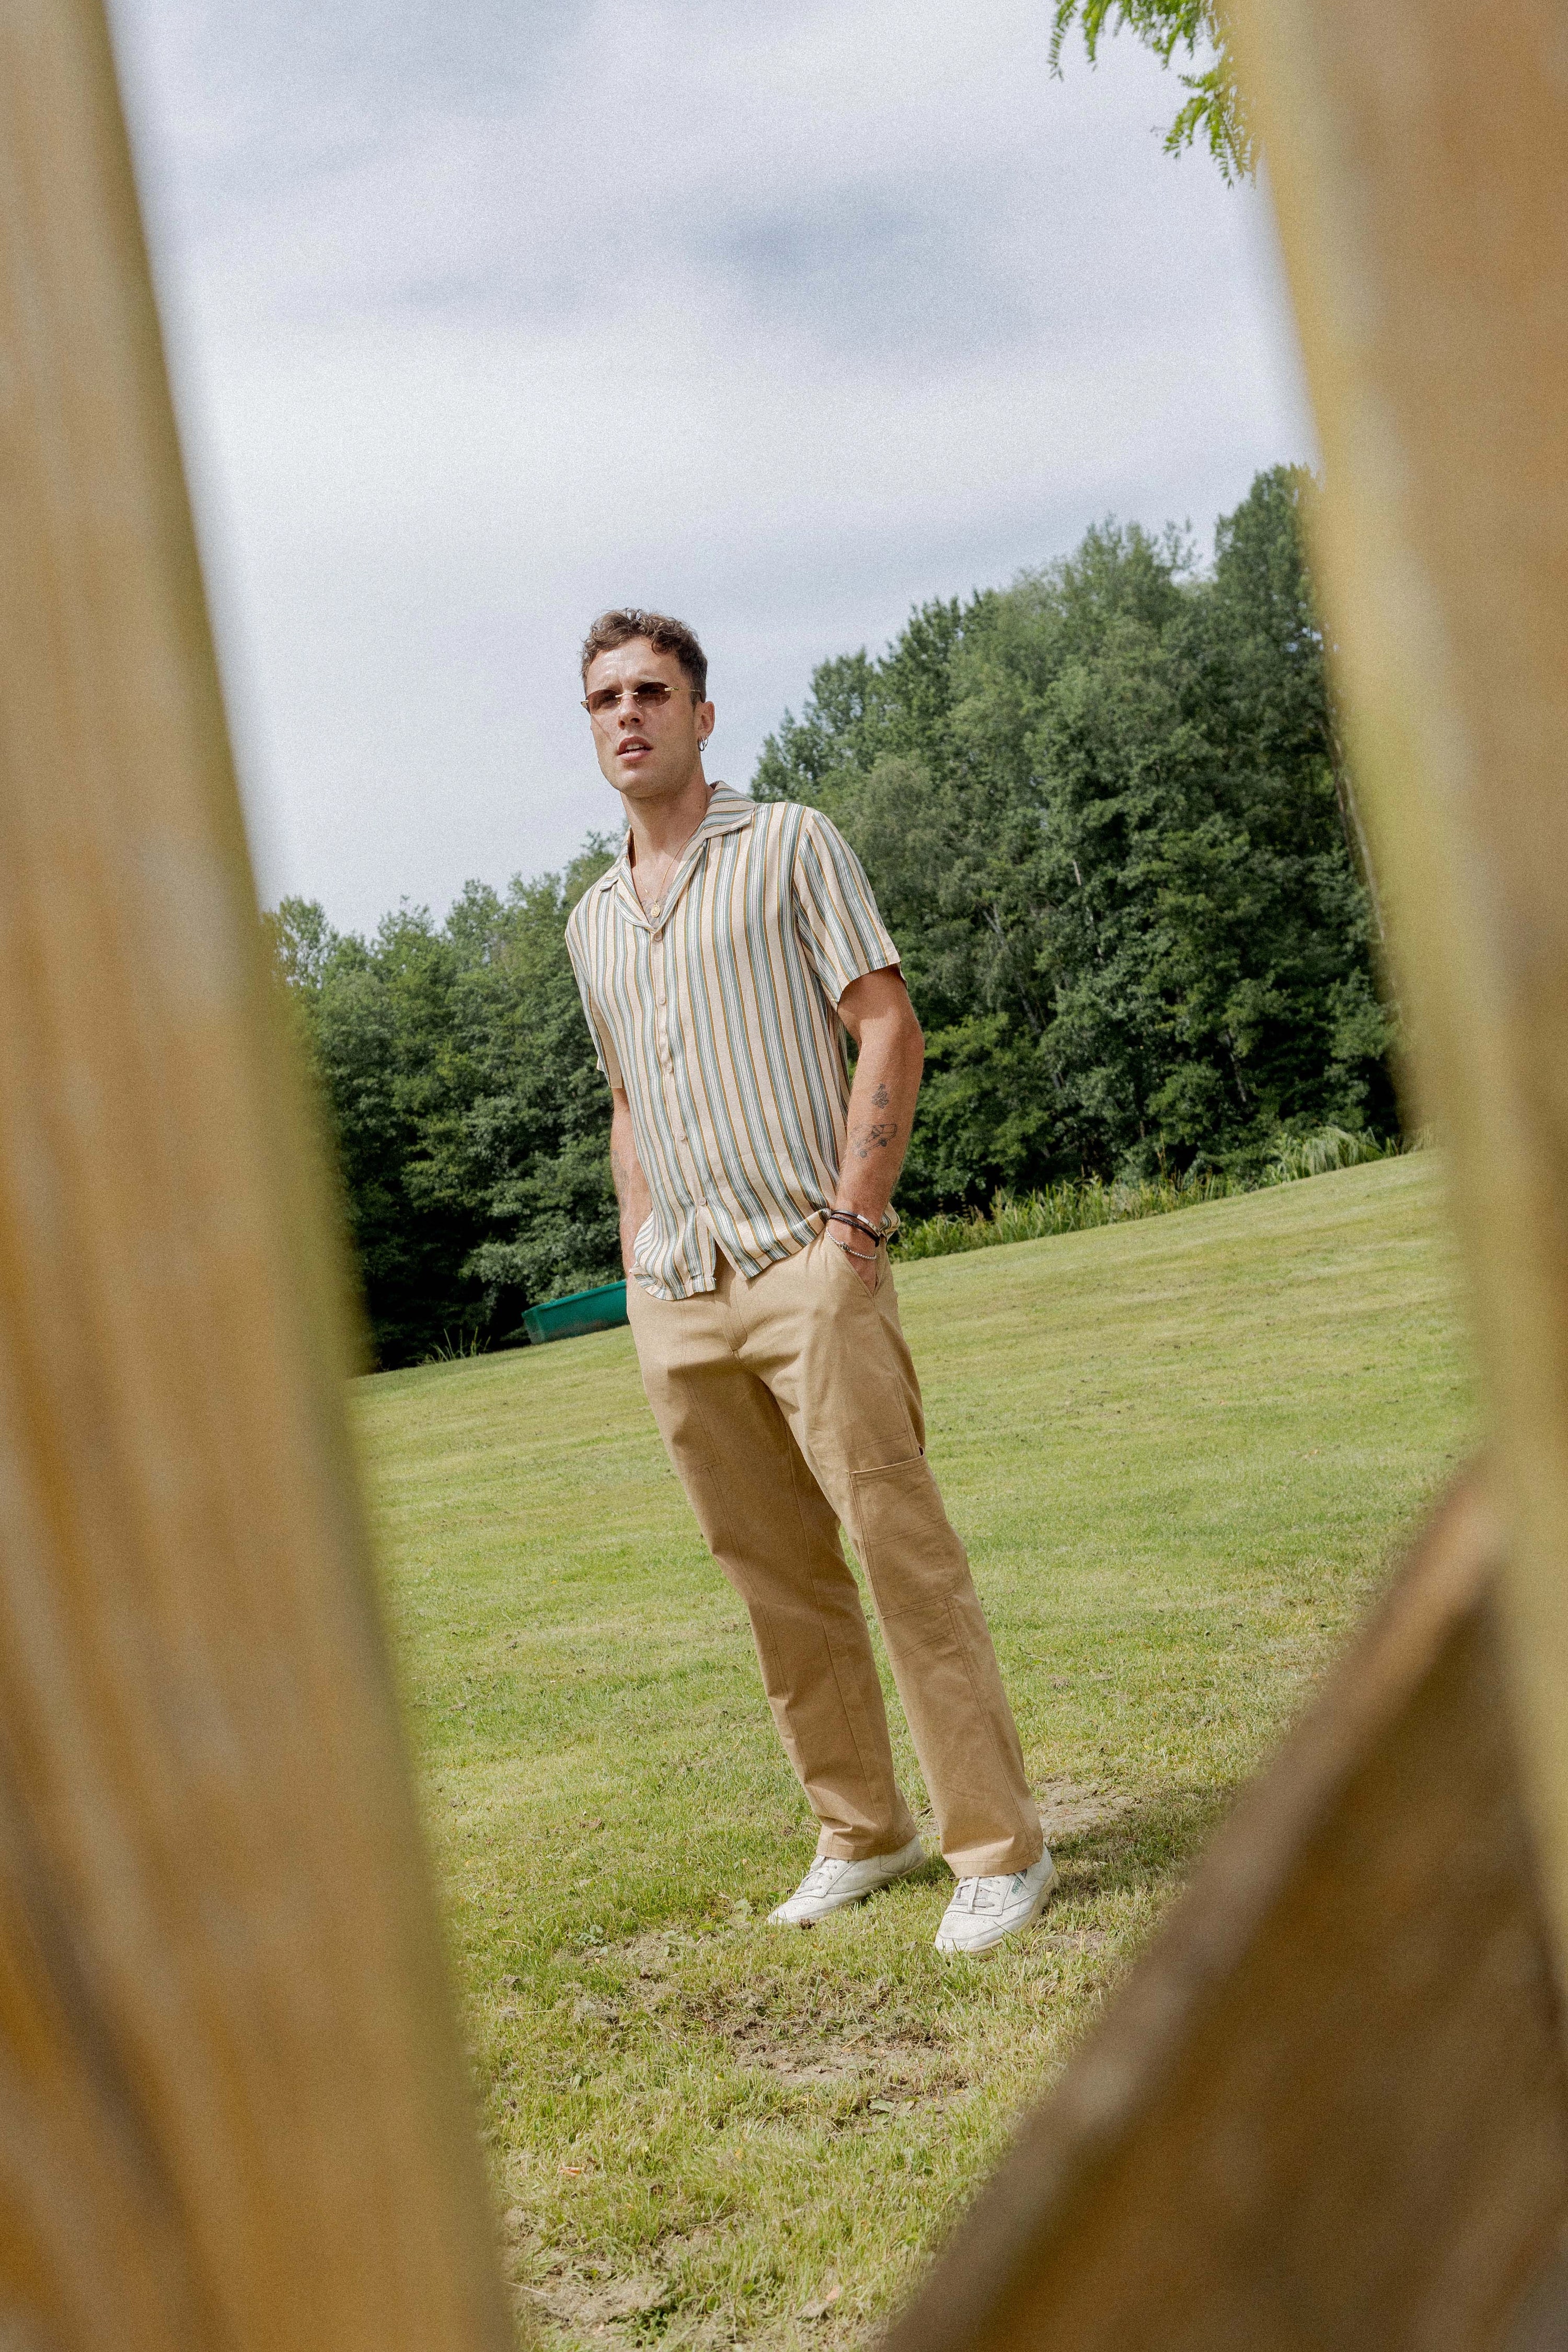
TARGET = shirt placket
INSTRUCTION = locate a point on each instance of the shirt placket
(662, 961)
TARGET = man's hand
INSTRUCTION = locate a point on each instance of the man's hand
(876, 1011)
(631, 1184)
(854, 1243)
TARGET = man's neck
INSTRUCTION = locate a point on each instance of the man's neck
(662, 827)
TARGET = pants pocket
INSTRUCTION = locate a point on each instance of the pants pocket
(905, 1539)
(848, 1271)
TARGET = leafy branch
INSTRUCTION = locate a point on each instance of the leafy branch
(1213, 113)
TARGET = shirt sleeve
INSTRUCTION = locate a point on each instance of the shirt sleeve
(840, 925)
(598, 1029)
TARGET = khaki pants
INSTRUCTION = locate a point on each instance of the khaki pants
(789, 1404)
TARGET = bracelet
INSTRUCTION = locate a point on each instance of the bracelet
(867, 1258)
(861, 1225)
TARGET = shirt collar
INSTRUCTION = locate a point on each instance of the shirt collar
(728, 812)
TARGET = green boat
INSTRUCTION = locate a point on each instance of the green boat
(569, 1318)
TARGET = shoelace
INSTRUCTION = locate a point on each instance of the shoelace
(984, 1894)
(821, 1876)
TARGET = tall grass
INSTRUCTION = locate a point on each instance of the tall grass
(1330, 1148)
(455, 1347)
(1071, 1208)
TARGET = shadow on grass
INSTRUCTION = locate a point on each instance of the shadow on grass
(1153, 1841)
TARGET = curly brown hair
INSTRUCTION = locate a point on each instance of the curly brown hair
(665, 635)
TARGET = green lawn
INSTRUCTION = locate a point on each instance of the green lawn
(1181, 1452)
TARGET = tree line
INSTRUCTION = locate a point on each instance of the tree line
(1104, 812)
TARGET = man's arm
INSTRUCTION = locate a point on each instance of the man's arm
(631, 1184)
(876, 1011)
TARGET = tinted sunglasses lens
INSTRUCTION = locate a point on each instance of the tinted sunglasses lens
(652, 697)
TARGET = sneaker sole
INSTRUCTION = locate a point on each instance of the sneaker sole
(847, 1902)
(1014, 1927)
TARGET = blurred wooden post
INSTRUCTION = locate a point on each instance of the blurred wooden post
(1330, 2109)
(232, 2110)
(1418, 152)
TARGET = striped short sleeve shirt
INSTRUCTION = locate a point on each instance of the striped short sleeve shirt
(718, 1017)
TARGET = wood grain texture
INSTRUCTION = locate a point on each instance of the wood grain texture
(232, 2111)
(1329, 2109)
(1418, 153)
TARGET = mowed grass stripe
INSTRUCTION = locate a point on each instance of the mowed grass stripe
(1181, 1452)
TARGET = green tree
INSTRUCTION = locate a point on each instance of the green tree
(532, 1151)
(470, 1121)
(1107, 835)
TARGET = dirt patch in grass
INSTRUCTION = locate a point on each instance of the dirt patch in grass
(887, 2070)
(1070, 1809)
(877, 2046)
(1090, 1941)
(592, 2301)
(586, 2301)
(574, 2308)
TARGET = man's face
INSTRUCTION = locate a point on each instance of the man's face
(647, 747)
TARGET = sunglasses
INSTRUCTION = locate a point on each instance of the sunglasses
(651, 695)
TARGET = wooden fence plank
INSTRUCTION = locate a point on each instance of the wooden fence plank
(1330, 2109)
(231, 2105)
(1418, 152)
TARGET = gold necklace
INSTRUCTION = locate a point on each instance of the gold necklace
(652, 893)
(652, 899)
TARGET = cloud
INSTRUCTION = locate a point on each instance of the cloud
(489, 316)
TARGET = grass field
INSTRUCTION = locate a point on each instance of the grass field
(1181, 1452)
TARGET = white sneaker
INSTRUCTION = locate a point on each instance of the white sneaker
(984, 1910)
(832, 1885)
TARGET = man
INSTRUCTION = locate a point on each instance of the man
(721, 961)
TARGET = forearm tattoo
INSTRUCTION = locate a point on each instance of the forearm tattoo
(864, 1140)
(880, 1132)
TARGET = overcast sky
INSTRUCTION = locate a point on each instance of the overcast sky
(486, 314)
